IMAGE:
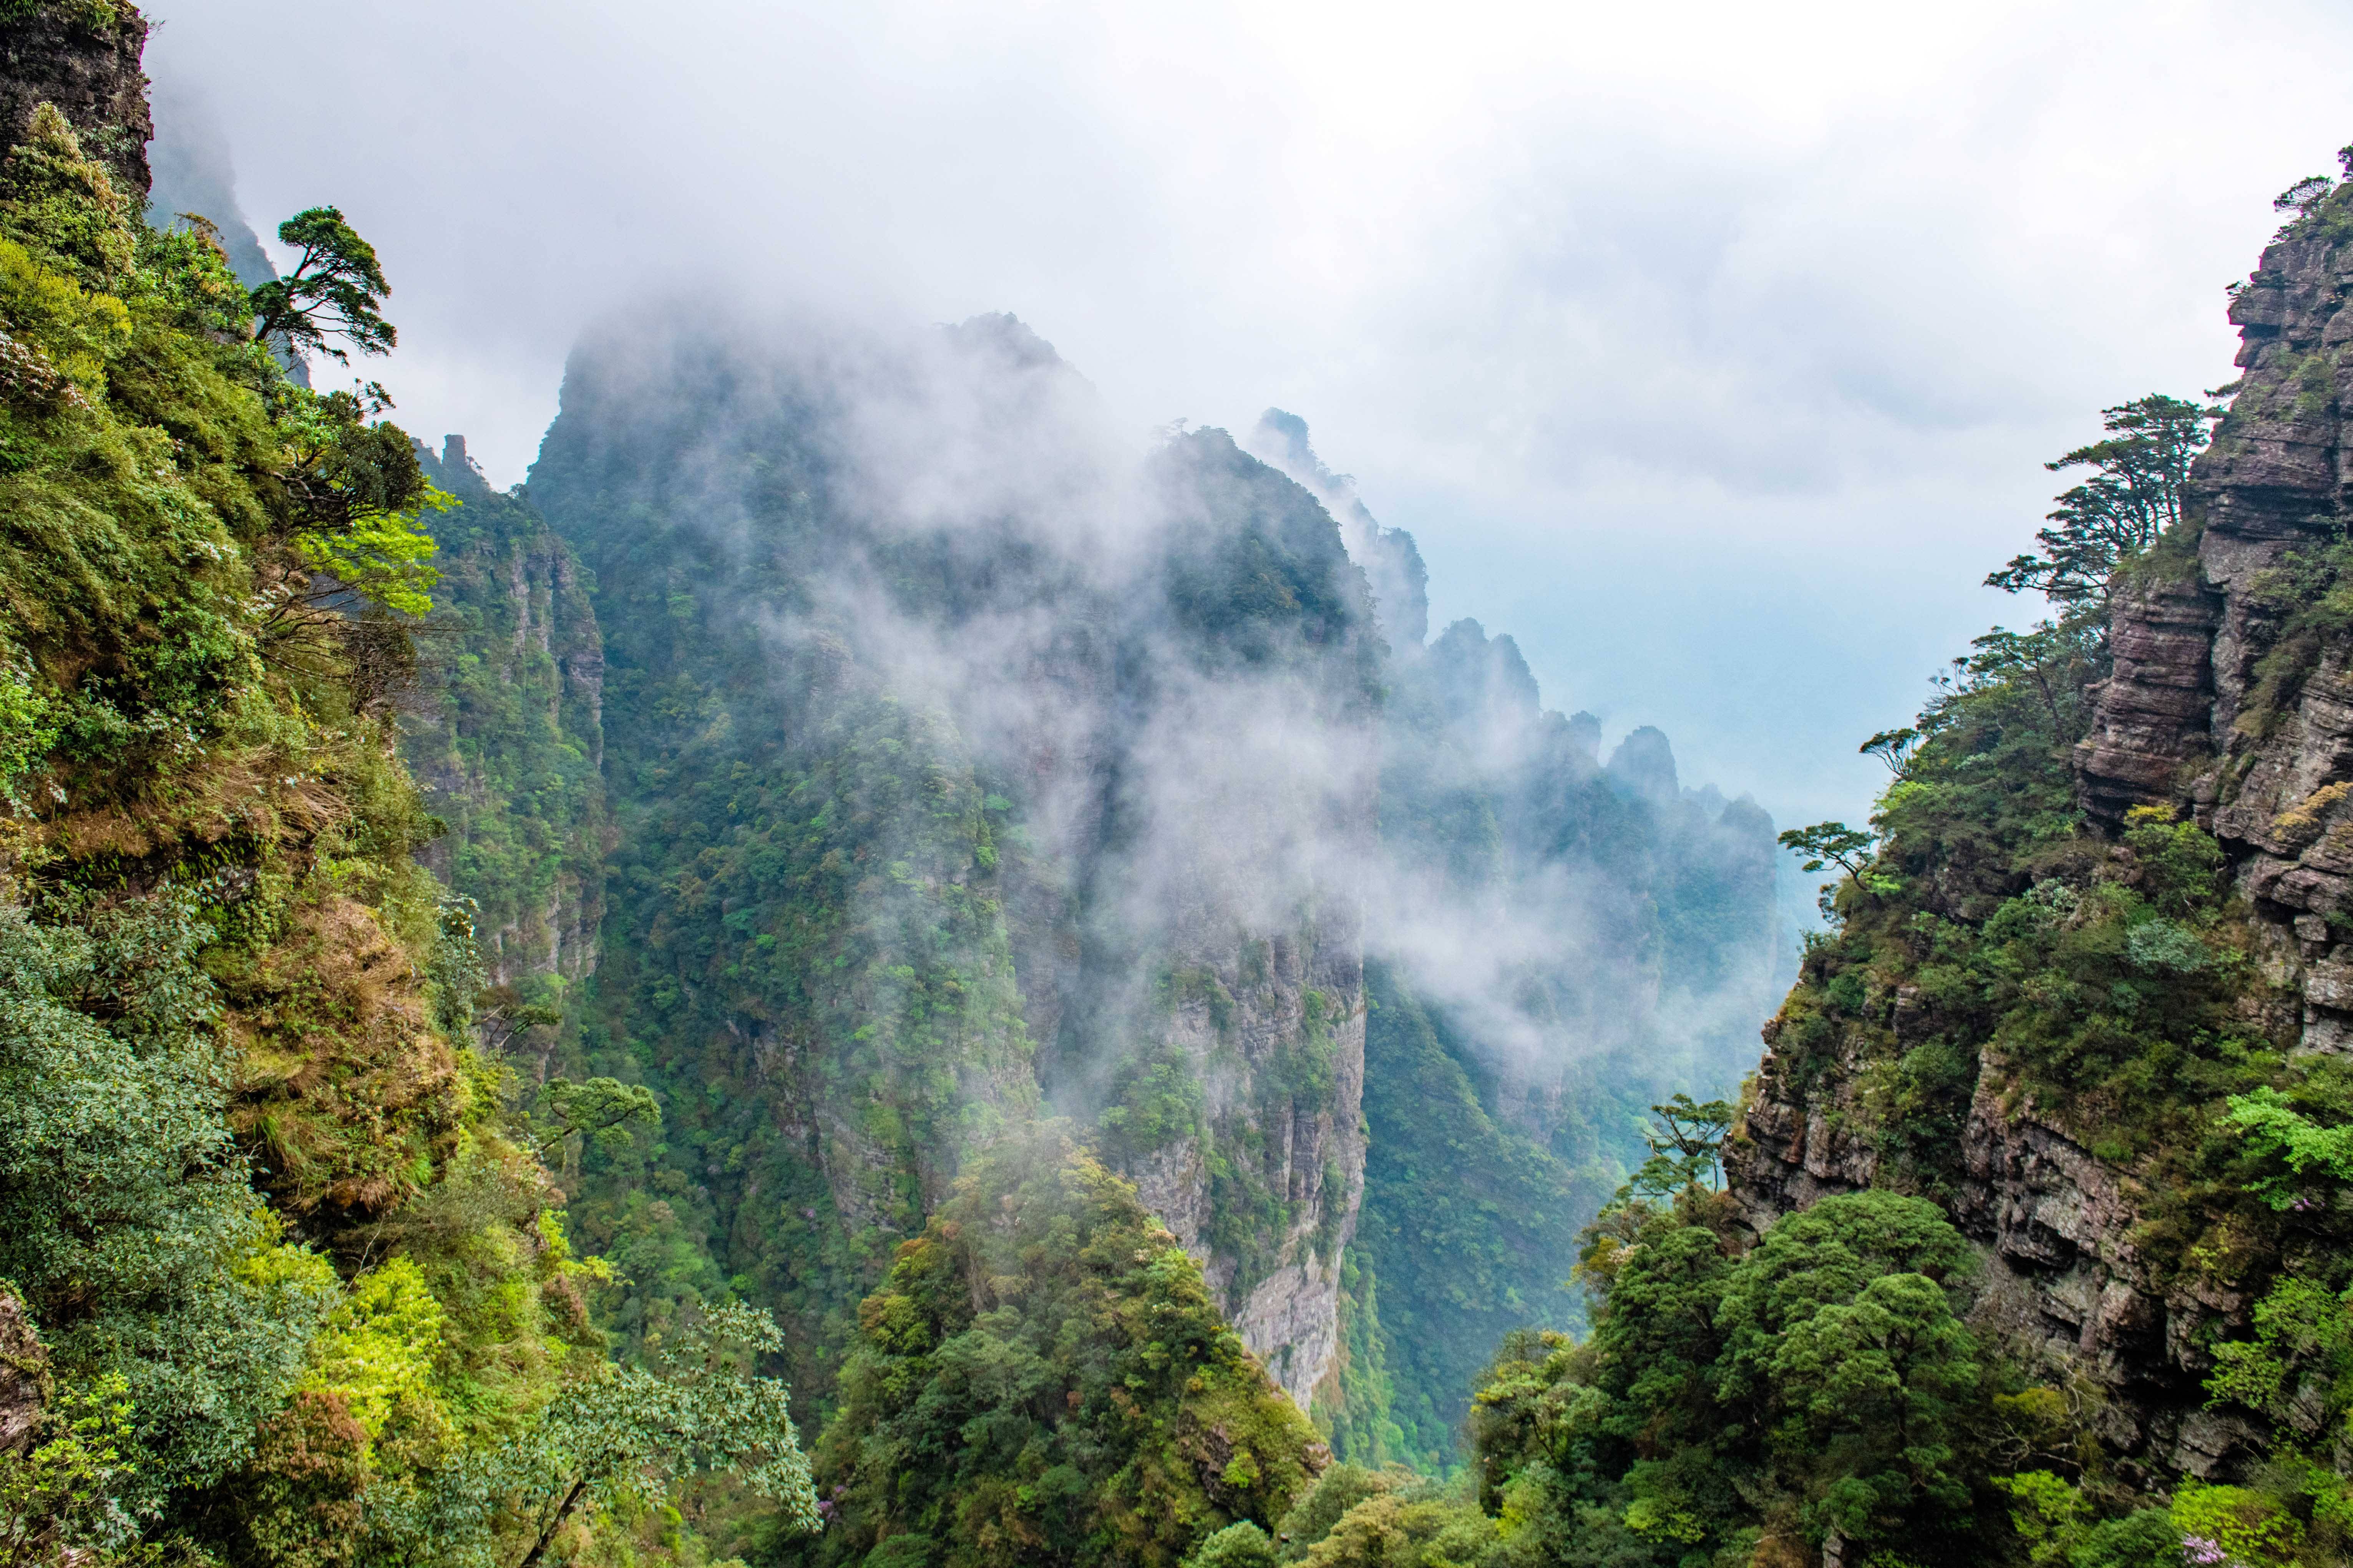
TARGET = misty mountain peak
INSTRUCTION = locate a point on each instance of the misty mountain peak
(452, 469)
(1745, 816)
(1007, 338)
(1644, 766)
(1392, 565)
(1585, 735)
(1288, 432)
(1484, 675)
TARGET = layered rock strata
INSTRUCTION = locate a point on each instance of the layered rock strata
(2230, 700)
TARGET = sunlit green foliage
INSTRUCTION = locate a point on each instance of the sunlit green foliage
(2274, 1128)
(1417, 1525)
(125, 1217)
(1238, 1545)
(2061, 1527)
(59, 1489)
(1820, 1384)
(616, 1441)
(1043, 1379)
(381, 554)
(268, 1214)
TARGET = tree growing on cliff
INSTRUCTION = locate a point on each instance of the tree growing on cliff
(1686, 1141)
(2133, 495)
(1851, 849)
(335, 291)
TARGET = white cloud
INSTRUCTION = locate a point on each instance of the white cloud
(1706, 322)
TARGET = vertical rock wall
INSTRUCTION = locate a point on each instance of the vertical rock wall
(507, 735)
(84, 57)
(2230, 700)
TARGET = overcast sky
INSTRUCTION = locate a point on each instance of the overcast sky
(1711, 350)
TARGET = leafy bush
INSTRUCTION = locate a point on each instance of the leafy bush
(1043, 1379)
(1820, 1383)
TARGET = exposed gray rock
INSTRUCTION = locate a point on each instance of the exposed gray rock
(24, 1376)
(85, 61)
(2208, 709)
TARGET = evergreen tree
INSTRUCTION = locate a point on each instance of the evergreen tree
(2133, 496)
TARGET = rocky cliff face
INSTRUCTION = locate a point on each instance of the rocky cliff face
(25, 1388)
(84, 57)
(508, 737)
(1211, 1017)
(960, 763)
(2231, 701)
(2066, 1283)
(2236, 700)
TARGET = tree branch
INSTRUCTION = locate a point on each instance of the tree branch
(571, 1500)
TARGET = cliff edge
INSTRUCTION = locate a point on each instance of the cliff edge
(1954, 1038)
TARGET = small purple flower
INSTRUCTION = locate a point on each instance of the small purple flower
(2204, 1554)
(2305, 1205)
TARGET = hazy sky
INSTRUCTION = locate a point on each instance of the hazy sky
(1711, 350)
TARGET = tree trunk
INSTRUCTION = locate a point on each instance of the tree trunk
(571, 1500)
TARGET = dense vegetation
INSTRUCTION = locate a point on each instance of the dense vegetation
(804, 913)
(769, 752)
(1818, 1389)
(284, 1280)
(1043, 1379)
(399, 1163)
(1468, 1231)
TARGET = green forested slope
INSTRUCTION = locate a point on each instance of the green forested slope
(1852, 1381)
(284, 1281)
(804, 954)
(2036, 1250)
(918, 816)
(341, 1224)
(507, 741)
(1043, 1378)
(1467, 1233)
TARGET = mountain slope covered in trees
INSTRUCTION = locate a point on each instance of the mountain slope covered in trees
(860, 881)
(946, 781)
(285, 1280)
(2034, 1248)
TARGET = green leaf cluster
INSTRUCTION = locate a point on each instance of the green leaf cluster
(1819, 1386)
(1043, 1379)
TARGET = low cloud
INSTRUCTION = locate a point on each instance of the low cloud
(1577, 292)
